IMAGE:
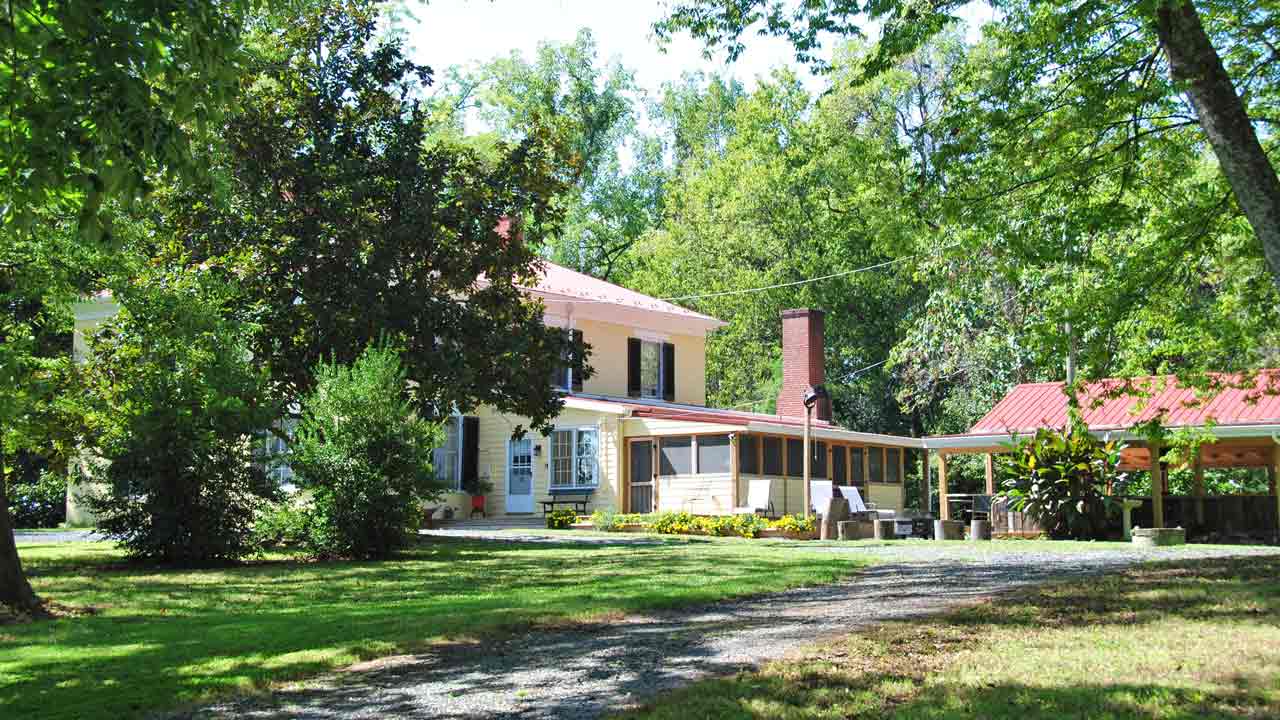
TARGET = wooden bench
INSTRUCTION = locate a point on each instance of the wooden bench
(579, 499)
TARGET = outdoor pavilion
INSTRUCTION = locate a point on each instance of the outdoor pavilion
(1245, 422)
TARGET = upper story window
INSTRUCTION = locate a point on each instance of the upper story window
(567, 375)
(651, 371)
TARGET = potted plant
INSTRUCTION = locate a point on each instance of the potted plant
(478, 488)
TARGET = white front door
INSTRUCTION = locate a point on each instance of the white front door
(520, 476)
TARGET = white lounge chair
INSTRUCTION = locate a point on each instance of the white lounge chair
(820, 491)
(757, 499)
(850, 493)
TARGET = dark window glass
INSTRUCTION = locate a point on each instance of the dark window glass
(877, 464)
(855, 463)
(839, 462)
(713, 454)
(795, 457)
(675, 456)
(891, 465)
(748, 460)
(772, 456)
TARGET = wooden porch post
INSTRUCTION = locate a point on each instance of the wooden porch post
(1275, 491)
(624, 473)
(943, 510)
(734, 469)
(989, 467)
(925, 503)
(1157, 487)
(1197, 488)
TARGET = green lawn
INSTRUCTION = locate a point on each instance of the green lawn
(1169, 642)
(160, 638)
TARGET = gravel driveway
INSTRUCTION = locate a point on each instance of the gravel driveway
(584, 672)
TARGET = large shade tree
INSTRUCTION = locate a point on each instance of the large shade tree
(1105, 77)
(346, 225)
(96, 96)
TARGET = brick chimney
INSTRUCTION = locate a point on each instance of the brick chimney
(803, 362)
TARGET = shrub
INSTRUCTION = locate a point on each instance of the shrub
(1059, 478)
(283, 523)
(793, 524)
(606, 520)
(561, 519)
(39, 504)
(364, 455)
(674, 523)
(173, 410)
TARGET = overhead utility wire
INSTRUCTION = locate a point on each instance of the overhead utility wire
(793, 283)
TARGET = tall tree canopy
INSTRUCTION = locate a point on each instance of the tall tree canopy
(1096, 80)
(96, 98)
(593, 108)
(343, 225)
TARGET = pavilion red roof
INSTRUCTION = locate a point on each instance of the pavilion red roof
(1121, 403)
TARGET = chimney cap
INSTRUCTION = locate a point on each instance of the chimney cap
(801, 312)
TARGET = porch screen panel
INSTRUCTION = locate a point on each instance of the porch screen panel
(795, 458)
(587, 459)
(772, 456)
(818, 467)
(855, 465)
(877, 464)
(839, 464)
(891, 465)
(748, 460)
(714, 453)
(675, 456)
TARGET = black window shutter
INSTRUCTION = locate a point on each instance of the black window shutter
(578, 351)
(470, 450)
(668, 372)
(633, 367)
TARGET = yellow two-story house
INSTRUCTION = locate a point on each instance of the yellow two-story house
(637, 436)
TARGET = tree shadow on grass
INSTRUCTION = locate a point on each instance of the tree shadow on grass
(171, 636)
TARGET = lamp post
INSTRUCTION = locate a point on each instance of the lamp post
(811, 398)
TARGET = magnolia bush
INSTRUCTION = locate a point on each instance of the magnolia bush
(363, 455)
(1059, 478)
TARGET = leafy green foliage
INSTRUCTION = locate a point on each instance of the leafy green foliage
(344, 225)
(591, 107)
(1059, 477)
(364, 456)
(97, 96)
(283, 523)
(39, 504)
(174, 408)
(561, 519)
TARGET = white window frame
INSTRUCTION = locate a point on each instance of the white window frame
(662, 370)
(453, 484)
(573, 457)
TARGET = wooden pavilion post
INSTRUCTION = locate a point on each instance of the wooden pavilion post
(1275, 491)
(989, 467)
(925, 504)
(1197, 488)
(735, 471)
(944, 511)
(1157, 487)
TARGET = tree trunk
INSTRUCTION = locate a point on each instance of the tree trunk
(1195, 65)
(15, 591)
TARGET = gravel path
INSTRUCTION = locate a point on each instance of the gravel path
(584, 672)
(55, 536)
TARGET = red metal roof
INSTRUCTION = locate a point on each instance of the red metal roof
(1121, 403)
(556, 279)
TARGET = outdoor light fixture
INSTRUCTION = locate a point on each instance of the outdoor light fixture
(814, 394)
